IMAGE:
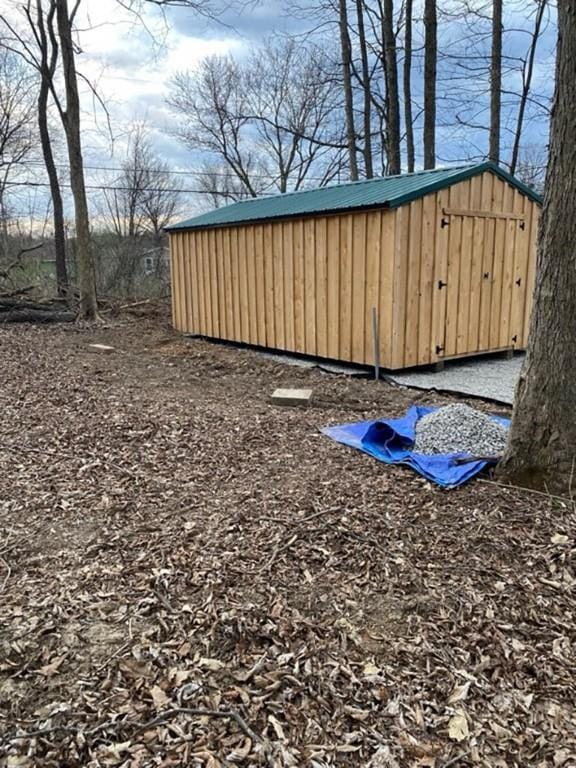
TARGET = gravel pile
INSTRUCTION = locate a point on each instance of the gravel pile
(459, 429)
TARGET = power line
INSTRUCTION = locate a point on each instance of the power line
(105, 188)
(223, 174)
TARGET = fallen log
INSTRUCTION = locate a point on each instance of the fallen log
(17, 292)
(32, 315)
(9, 304)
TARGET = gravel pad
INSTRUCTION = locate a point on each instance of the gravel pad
(459, 429)
(485, 377)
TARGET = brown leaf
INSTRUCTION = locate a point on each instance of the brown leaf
(211, 664)
(458, 727)
(159, 698)
(459, 693)
(52, 668)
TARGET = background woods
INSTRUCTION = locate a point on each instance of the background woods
(349, 89)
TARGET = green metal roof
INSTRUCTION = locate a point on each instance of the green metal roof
(384, 191)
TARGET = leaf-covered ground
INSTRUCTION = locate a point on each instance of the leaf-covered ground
(190, 576)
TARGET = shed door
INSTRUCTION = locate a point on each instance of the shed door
(484, 287)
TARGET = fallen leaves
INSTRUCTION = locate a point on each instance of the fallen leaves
(197, 579)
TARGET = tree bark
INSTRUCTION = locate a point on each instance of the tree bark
(346, 49)
(430, 59)
(495, 82)
(86, 276)
(407, 77)
(367, 101)
(526, 84)
(393, 155)
(47, 69)
(541, 451)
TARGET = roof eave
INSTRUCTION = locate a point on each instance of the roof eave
(395, 202)
(464, 175)
(281, 217)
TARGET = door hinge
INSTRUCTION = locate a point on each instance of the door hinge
(519, 281)
(444, 222)
(439, 349)
(441, 285)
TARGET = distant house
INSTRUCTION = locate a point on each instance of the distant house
(443, 261)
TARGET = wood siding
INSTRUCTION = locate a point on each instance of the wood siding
(450, 274)
(477, 239)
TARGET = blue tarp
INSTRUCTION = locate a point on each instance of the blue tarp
(392, 440)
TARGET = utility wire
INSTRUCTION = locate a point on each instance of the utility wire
(105, 188)
(132, 169)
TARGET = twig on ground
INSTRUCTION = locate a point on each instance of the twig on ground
(111, 658)
(133, 304)
(163, 600)
(511, 487)
(454, 760)
(8, 574)
(137, 726)
(277, 551)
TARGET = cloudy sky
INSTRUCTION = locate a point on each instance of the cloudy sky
(131, 60)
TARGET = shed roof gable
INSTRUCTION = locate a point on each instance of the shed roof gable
(384, 191)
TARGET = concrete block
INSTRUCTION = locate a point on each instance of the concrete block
(292, 396)
(101, 348)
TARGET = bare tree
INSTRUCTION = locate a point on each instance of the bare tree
(430, 65)
(70, 115)
(46, 62)
(212, 105)
(143, 199)
(531, 167)
(527, 73)
(346, 52)
(495, 82)
(407, 78)
(392, 99)
(17, 134)
(52, 41)
(541, 450)
(270, 119)
(365, 81)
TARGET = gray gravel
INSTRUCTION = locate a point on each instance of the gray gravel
(459, 429)
(492, 378)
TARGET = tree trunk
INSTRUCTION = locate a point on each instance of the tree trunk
(430, 59)
(408, 120)
(393, 155)
(526, 84)
(367, 101)
(55, 192)
(88, 305)
(347, 81)
(541, 451)
(495, 82)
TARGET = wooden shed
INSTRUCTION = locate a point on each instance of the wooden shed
(443, 260)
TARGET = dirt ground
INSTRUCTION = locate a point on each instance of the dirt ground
(190, 576)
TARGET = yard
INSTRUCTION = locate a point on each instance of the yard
(171, 541)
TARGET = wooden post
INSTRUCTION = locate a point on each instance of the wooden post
(376, 343)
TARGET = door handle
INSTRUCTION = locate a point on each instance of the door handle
(486, 275)
(441, 285)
